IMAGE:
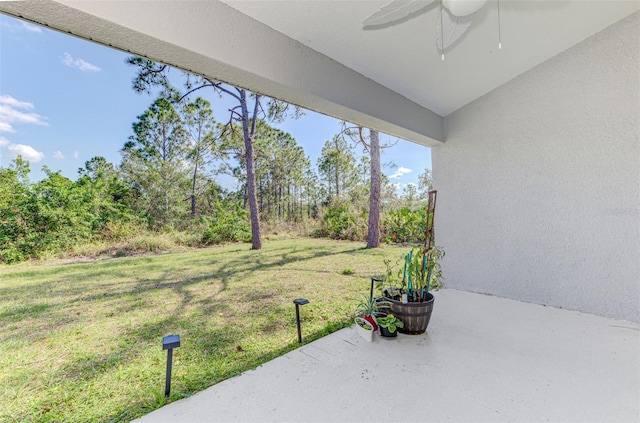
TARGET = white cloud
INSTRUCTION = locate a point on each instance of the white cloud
(10, 101)
(10, 114)
(76, 154)
(29, 27)
(400, 172)
(26, 151)
(58, 154)
(16, 25)
(68, 60)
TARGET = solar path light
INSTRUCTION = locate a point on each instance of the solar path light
(169, 343)
(298, 302)
(373, 280)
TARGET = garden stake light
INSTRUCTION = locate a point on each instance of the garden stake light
(372, 281)
(298, 302)
(169, 343)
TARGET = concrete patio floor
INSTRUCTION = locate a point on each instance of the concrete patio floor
(482, 359)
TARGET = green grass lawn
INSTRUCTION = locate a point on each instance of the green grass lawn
(82, 341)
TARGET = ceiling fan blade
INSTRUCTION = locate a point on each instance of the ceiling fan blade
(452, 29)
(394, 11)
(462, 8)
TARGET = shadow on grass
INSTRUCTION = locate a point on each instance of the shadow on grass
(78, 285)
(48, 301)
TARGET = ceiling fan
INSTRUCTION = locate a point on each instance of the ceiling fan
(455, 17)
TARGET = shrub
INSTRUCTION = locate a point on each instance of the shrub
(11, 254)
(121, 229)
(404, 226)
(340, 222)
(227, 226)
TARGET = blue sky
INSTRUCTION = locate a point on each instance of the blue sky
(64, 100)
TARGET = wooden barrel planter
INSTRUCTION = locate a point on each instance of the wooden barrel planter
(415, 316)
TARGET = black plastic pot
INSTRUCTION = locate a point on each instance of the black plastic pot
(384, 332)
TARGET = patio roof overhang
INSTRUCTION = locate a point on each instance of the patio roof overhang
(317, 55)
(211, 38)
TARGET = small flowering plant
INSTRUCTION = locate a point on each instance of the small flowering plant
(390, 322)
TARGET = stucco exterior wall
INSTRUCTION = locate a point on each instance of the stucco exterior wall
(539, 182)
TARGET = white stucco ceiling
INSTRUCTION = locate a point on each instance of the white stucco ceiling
(404, 56)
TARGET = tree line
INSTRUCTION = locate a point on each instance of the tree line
(166, 180)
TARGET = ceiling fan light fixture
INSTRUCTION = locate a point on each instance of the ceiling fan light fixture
(455, 18)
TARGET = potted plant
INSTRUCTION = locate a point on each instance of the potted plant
(368, 308)
(389, 325)
(408, 294)
(364, 328)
